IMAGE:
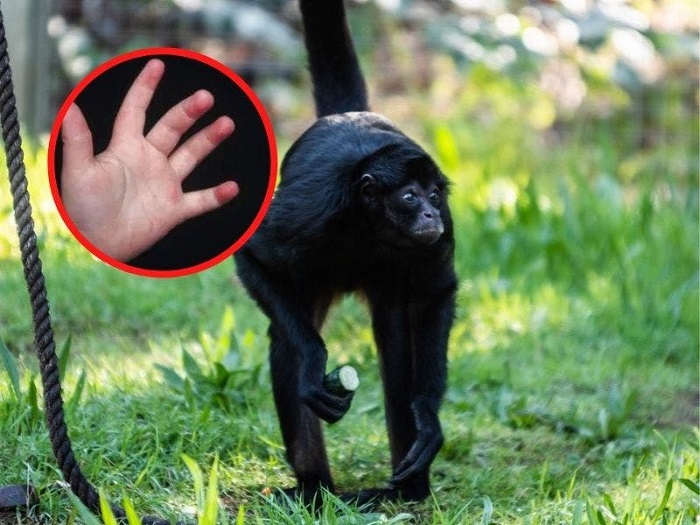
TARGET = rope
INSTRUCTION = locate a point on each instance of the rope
(44, 342)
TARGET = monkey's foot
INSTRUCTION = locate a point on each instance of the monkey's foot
(370, 497)
(376, 496)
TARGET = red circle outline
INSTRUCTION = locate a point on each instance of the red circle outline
(184, 53)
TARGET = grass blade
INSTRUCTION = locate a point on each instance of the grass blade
(191, 366)
(107, 515)
(488, 511)
(79, 388)
(63, 356)
(33, 401)
(172, 378)
(197, 478)
(211, 508)
(664, 500)
(131, 512)
(691, 485)
(86, 516)
(10, 365)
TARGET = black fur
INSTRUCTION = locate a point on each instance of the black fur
(338, 83)
(360, 207)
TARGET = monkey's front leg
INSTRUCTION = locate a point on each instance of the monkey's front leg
(392, 334)
(291, 315)
(430, 321)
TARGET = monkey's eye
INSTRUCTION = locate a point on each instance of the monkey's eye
(409, 197)
(434, 197)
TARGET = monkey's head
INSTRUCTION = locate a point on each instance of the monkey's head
(361, 168)
(405, 194)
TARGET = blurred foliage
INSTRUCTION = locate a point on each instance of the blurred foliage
(88, 33)
(577, 51)
(586, 56)
(227, 373)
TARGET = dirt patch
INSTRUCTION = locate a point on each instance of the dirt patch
(11, 518)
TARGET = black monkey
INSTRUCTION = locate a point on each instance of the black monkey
(360, 207)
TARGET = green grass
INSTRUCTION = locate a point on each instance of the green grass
(573, 386)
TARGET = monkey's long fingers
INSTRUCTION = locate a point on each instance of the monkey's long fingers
(419, 457)
(77, 142)
(195, 203)
(132, 113)
(185, 158)
(169, 129)
(327, 406)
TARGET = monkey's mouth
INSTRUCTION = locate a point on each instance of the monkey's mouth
(429, 235)
(418, 238)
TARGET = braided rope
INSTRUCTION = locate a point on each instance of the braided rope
(44, 342)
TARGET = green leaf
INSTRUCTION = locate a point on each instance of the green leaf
(79, 388)
(594, 517)
(240, 519)
(107, 515)
(197, 478)
(211, 508)
(189, 394)
(488, 511)
(63, 356)
(446, 146)
(221, 375)
(223, 341)
(191, 367)
(131, 512)
(33, 401)
(85, 514)
(10, 365)
(249, 340)
(577, 518)
(172, 378)
(691, 485)
(664, 500)
(600, 518)
(609, 503)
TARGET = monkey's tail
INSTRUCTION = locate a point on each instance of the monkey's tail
(338, 83)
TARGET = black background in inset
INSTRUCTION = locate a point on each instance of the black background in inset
(243, 157)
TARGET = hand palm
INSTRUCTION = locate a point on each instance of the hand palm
(129, 196)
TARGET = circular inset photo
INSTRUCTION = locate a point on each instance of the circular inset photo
(162, 162)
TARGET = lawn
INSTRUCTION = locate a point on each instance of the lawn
(573, 378)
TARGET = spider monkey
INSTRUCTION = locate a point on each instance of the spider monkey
(360, 208)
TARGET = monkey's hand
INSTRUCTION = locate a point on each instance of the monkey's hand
(325, 404)
(130, 196)
(429, 440)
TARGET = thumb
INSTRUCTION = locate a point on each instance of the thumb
(77, 141)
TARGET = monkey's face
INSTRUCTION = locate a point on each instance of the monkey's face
(407, 215)
(414, 212)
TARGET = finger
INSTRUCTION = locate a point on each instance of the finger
(328, 414)
(329, 407)
(417, 460)
(132, 113)
(186, 157)
(168, 130)
(195, 203)
(410, 467)
(77, 141)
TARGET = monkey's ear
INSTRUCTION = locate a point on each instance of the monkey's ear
(369, 188)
